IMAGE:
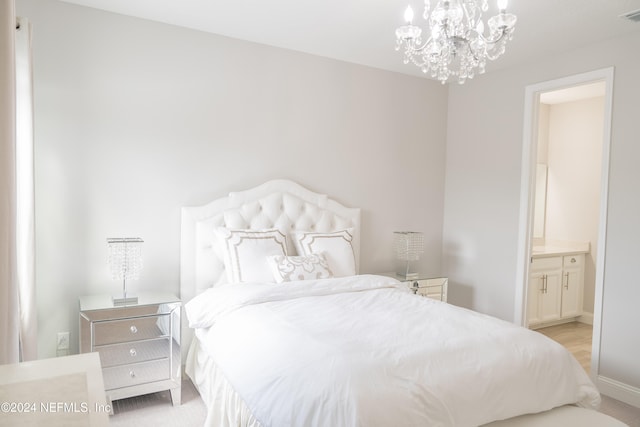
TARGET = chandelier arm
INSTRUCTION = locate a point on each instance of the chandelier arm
(419, 49)
(503, 33)
(411, 53)
(493, 56)
(486, 40)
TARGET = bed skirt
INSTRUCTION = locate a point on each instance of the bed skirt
(225, 408)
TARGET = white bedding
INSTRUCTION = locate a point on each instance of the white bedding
(364, 351)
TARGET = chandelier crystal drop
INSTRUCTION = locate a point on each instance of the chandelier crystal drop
(457, 47)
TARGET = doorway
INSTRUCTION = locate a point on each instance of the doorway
(529, 227)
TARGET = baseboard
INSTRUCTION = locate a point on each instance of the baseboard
(620, 391)
(586, 318)
(553, 323)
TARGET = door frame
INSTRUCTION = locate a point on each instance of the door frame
(527, 194)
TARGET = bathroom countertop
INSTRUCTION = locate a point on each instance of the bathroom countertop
(559, 248)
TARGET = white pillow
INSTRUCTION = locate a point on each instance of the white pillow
(289, 268)
(336, 247)
(246, 252)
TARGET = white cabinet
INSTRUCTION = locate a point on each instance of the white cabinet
(544, 290)
(572, 285)
(555, 288)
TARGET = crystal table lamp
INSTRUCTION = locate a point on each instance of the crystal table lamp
(125, 263)
(409, 246)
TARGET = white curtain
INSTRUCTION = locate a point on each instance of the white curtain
(25, 206)
(9, 311)
(18, 333)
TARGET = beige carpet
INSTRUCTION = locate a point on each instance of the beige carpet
(156, 410)
(628, 414)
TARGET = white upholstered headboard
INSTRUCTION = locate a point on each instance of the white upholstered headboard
(278, 204)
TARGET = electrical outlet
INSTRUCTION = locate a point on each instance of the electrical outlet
(63, 341)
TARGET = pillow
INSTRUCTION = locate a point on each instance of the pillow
(246, 251)
(336, 247)
(289, 268)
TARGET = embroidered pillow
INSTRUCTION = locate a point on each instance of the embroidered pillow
(336, 247)
(290, 268)
(246, 252)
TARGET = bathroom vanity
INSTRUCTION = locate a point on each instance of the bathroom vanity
(556, 283)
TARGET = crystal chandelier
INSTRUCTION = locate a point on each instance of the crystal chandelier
(456, 46)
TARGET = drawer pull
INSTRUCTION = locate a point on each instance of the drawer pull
(133, 352)
(573, 260)
(414, 287)
(133, 329)
(132, 374)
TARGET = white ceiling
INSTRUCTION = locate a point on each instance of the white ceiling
(362, 31)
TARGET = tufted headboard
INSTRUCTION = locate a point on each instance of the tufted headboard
(278, 204)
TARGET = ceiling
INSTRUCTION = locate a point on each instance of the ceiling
(363, 31)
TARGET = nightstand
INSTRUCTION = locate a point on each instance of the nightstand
(426, 286)
(138, 344)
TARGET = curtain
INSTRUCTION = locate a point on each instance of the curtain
(25, 204)
(18, 317)
(9, 311)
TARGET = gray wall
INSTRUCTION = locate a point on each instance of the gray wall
(484, 149)
(135, 119)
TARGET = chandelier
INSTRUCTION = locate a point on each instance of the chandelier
(457, 47)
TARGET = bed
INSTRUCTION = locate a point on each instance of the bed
(283, 331)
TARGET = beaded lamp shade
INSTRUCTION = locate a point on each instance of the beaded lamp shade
(409, 245)
(125, 263)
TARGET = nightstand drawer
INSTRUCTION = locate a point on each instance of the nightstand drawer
(138, 373)
(133, 352)
(435, 293)
(126, 330)
(431, 288)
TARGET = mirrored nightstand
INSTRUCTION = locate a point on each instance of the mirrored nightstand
(138, 344)
(424, 285)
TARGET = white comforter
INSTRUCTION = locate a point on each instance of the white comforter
(365, 351)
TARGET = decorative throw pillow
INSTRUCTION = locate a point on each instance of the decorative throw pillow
(290, 268)
(246, 252)
(336, 247)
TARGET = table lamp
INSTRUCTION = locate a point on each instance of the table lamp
(125, 263)
(409, 245)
